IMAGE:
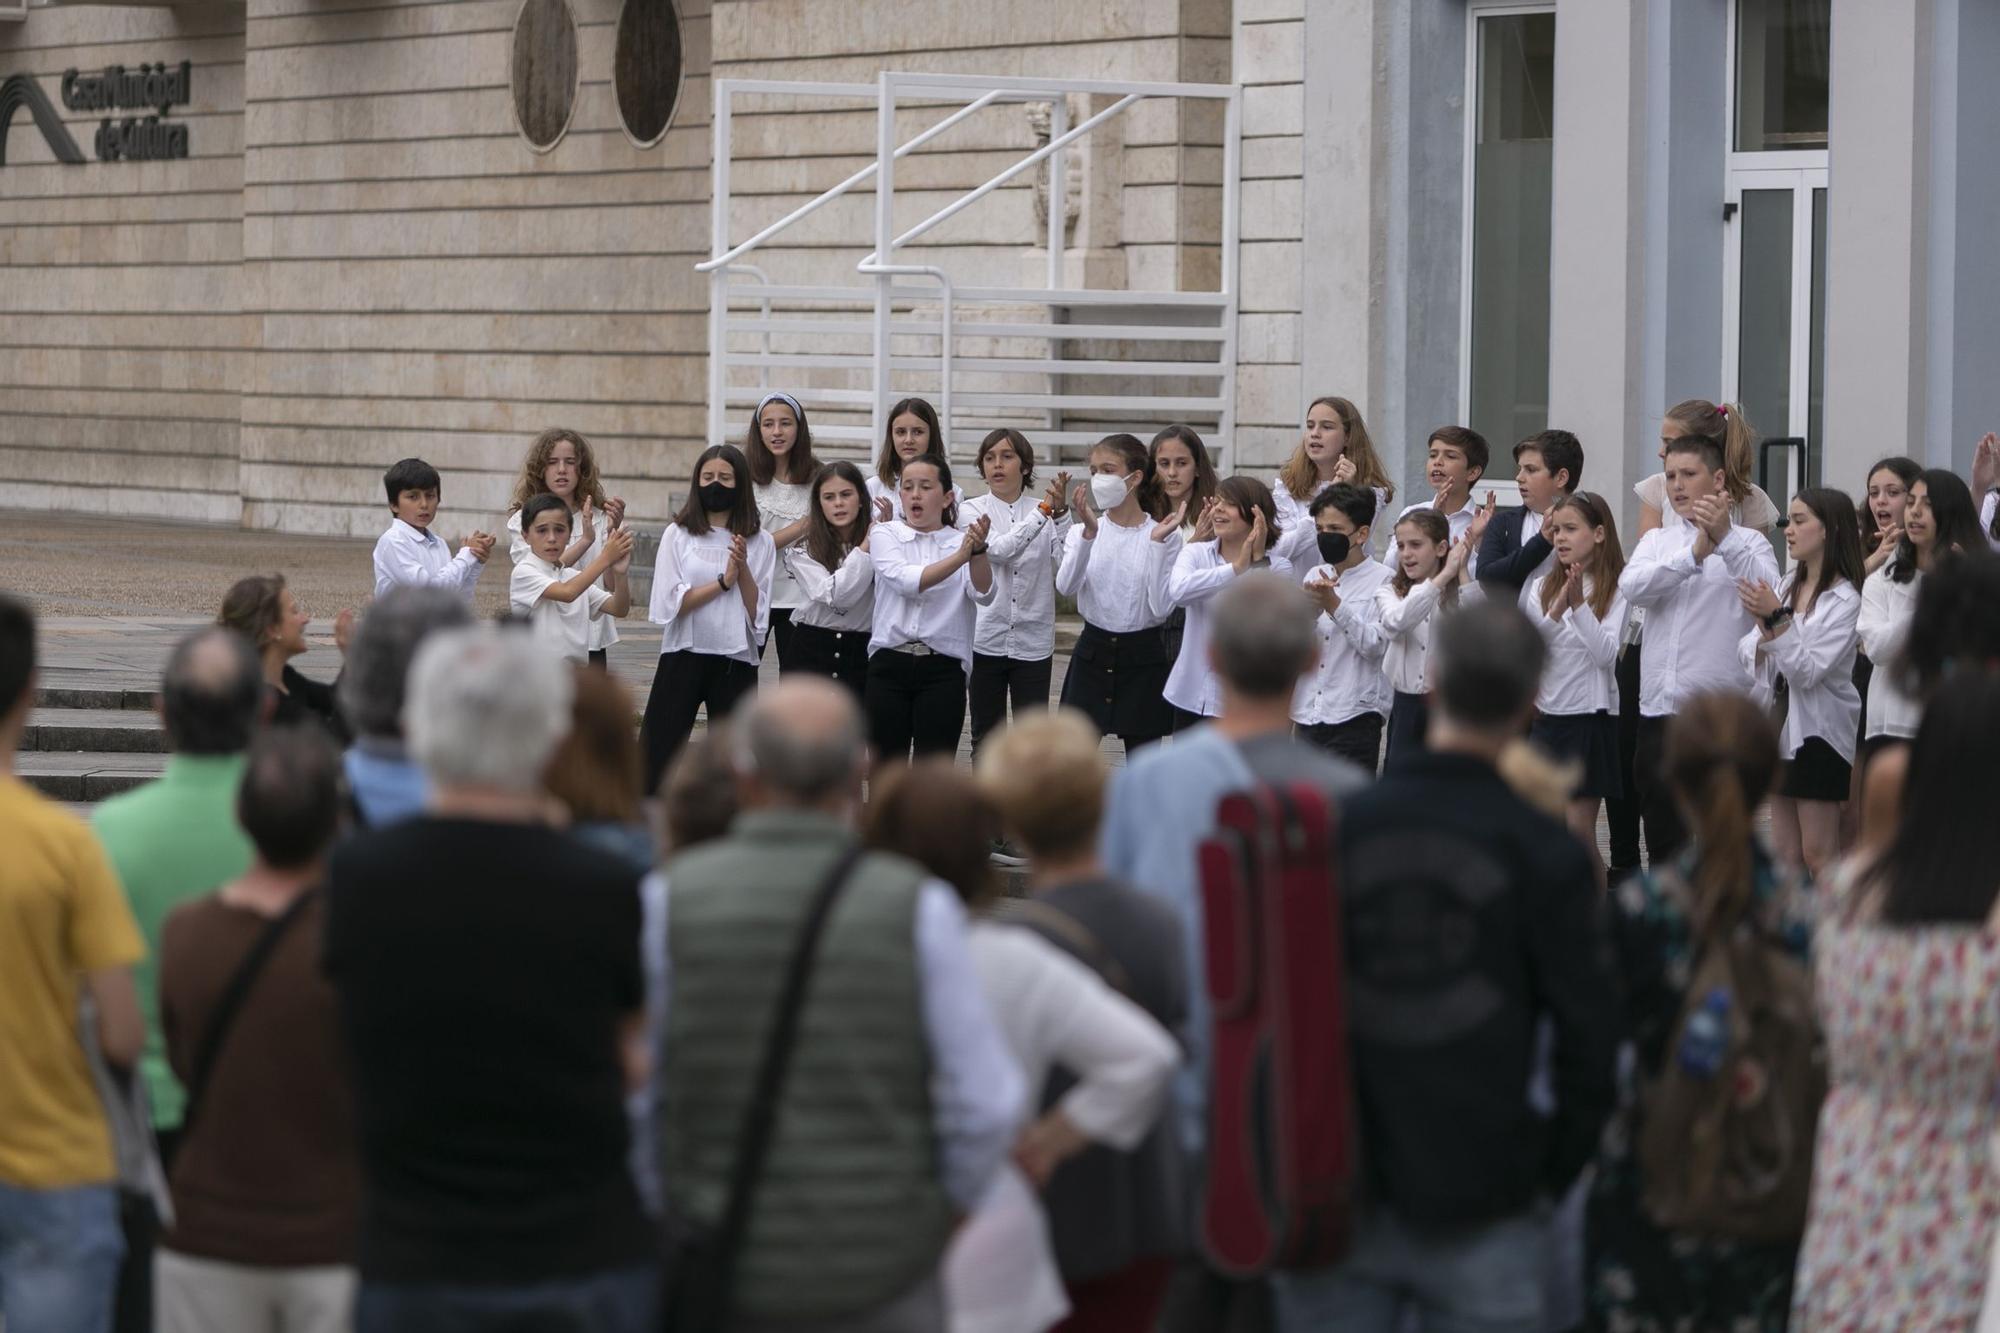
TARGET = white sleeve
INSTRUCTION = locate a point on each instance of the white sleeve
(1160, 556)
(1879, 628)
(762, 558)
(670, 584)
(1195, 577)
(1075, 560)
(596, 597)
(1747, 554)
(1015, 542)
(517, 546)
(1811, 650)
(1122, 1059)
(1400, 615)
(1655, 571)
(526, 586)
(891, 567)
(1598, 637)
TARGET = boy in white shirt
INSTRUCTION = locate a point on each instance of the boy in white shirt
(560, 603)
(1456, 459)
(409, 554)
(1341, 705)
(1684, 577)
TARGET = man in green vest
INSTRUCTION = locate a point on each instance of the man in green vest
(901, 1100)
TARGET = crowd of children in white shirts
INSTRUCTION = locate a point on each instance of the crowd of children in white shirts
(924, 601)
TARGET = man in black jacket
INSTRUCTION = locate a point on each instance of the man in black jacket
(1514, 550)
(1471, 924)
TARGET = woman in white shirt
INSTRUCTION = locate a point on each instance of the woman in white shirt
(1000, 1274)
(1333, 446)
(1115, 564)
(560, 463)
(1184, 480)
(779, 447)
(929, 576)
(1581, 615)
(913, 433)
(836, 578)
(1803, 654)
(1244, 521)
(1015, 641)
(1430, 566)
(711, 592)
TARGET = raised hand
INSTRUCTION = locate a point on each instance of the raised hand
(1260, 536)
(1757, 597)
(343, 629)
(1343, 470)
(1326, 592)
(1079, 504)
(1204, 522)
(1057, 489)
(618, 545)
(974, 541)
(614, 513)
(480, 544)
(586, 523)
(1454, 563)
(1481, 517)
(1572, 590)
(1171, 524)
(739, 555)
(1986, 463)
(884, 509)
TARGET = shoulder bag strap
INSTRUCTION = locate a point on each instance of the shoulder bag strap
(233, 994)
(762, 1116)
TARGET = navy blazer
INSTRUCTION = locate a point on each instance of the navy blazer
(1504, 559)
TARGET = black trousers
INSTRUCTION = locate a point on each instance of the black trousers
(1358, 740)
(841, 654)
(781, 634)
(683, 683)
(915, 704)
(600, 658)
(1622, 812)
(1665, 834)
(995, 680)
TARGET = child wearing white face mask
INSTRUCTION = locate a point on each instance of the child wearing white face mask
(1114, 563)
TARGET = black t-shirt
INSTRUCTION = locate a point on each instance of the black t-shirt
(482, 971)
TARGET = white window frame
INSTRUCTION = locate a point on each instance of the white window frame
(1475, 10)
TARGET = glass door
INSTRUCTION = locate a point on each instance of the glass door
(1774, 319)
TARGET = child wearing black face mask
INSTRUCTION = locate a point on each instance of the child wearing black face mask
(1342, 705)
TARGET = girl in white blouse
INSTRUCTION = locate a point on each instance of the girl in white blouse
(711, 592)
(1581, 615)
(1244, 522)
(1333, 446)
(1015, 640)
(929, 576)
(1804, 648)
(1115, 564)
(1185, 481)
(913, 433)
(560, 463)
(836, 579)
(779, 447)
(1430, 566)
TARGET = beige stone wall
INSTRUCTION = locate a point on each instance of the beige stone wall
(122, 345)
(1270, 64)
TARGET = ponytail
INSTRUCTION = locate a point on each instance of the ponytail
(1729, 429)
(1721, 760)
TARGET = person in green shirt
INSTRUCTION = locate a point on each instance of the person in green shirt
(176, 837)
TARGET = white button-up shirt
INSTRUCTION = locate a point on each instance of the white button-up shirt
(564, 626)
(1118, 577)
(1694, 617)
(1816, 655)
(842, 600)
(1582, 671)
(781, 504)
(1882, 626)
(939, 617)
(1199, 573)
(603, 629)
(721, 626)
(408, 557)
(1299, 540)
(1405, 626)
(1020, 622)
(1347, 681)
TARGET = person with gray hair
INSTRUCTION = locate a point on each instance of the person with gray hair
(486, 966)
(900, 1101)
(1472, 928)
(383, 782)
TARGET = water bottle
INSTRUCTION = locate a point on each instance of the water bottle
(1705, 1041)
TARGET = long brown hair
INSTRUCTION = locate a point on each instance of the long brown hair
(1724, 425)
(1603, 568)
(889, 464)
(1205, 480)
(1300, 474)
(596, 771)
(1721, 758)
(1841, 557)
(1433, 525)
(536, 465)
(824, 542)
(799, 461)
(253, 607)
(936, 814)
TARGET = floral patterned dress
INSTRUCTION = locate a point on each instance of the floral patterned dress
(1642, 1279)
(1905, 1197)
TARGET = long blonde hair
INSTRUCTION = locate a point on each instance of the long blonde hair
(530, 484)
(1300, 474)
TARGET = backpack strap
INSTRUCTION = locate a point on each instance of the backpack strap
(234, 993)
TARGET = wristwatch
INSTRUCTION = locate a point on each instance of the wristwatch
(1777, 617)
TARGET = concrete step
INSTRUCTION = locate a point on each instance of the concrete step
(87, 777)
(97, 696)
(116, 730)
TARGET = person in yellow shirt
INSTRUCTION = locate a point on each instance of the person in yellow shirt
(64, 929)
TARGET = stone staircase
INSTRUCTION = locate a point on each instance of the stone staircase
(83, 744)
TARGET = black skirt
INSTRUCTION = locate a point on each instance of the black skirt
(1409, 719)
(1817, 773)
(1119, 681)
(841, 654)
(1592, 739)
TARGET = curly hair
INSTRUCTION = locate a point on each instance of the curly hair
(536, 465)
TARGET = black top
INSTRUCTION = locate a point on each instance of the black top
(304, 699)
(482, 971)
(1503, 557)
(1470, 916)
(1107, 1209)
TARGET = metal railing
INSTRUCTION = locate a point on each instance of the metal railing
(977, 329)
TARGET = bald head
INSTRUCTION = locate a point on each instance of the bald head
(212, 693)
(800, 742)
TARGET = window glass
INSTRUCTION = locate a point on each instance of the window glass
(544, 71)
(646, 68)
(1781, 74)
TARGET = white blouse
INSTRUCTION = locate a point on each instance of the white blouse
(1021, 620)
(939, 617)
(1347, 681)
(603, 629)
(843, 600)
(1199, 573)
(1816, 655)
(721, 626)
(1118, 577)
(1582, 673)
(1882, 627)
(1406, 630)
(1000, 1273)
(779, 504)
